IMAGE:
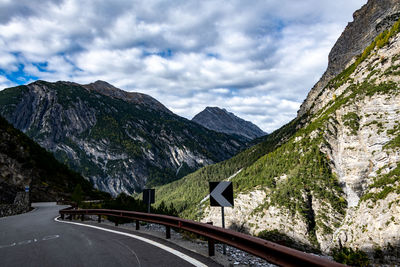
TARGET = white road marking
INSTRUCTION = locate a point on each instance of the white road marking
(26, 242)
(131, 250)
(88, 240)
(6, 246)
(151, 242)
(50, 237)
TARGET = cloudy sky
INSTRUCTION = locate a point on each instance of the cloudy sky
(257, 59)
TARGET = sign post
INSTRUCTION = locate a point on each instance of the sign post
(221, 195)
(149, 197)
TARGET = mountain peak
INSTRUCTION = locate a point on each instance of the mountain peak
(103, 84)
(107, 89)
(215, 109)
(373, 18)
(221, 120)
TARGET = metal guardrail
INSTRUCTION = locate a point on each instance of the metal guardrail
(274, 253)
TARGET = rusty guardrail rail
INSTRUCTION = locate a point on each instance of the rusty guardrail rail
(267, 250)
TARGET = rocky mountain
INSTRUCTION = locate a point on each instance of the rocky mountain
(330, 179)
(120, 141)
(369, 21)
(220, 120)
(25, 163)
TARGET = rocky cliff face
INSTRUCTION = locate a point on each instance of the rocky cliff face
(373, 18)
(120, 141)
(220, 120)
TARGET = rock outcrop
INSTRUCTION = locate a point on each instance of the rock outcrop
(373, 18)
(220, 120)
(21, 204)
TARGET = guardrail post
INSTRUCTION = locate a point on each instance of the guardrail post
(137, 225)
(168, 232)
(99, 219)
(211, 244)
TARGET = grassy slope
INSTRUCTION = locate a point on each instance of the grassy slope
(187, 192)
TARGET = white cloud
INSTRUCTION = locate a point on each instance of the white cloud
(8, 61)
(257, 60)
(5, 83)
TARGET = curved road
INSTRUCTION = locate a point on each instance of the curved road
(36, 239)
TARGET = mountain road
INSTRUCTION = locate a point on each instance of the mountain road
(37, 238)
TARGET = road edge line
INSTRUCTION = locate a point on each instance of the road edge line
(151, 242)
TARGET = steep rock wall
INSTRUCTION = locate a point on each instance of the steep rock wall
(372, 19)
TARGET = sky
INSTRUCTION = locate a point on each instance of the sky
(257, 59)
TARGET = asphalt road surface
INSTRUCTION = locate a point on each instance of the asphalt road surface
(36, 239)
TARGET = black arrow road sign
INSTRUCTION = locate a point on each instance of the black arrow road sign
(221, 194)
